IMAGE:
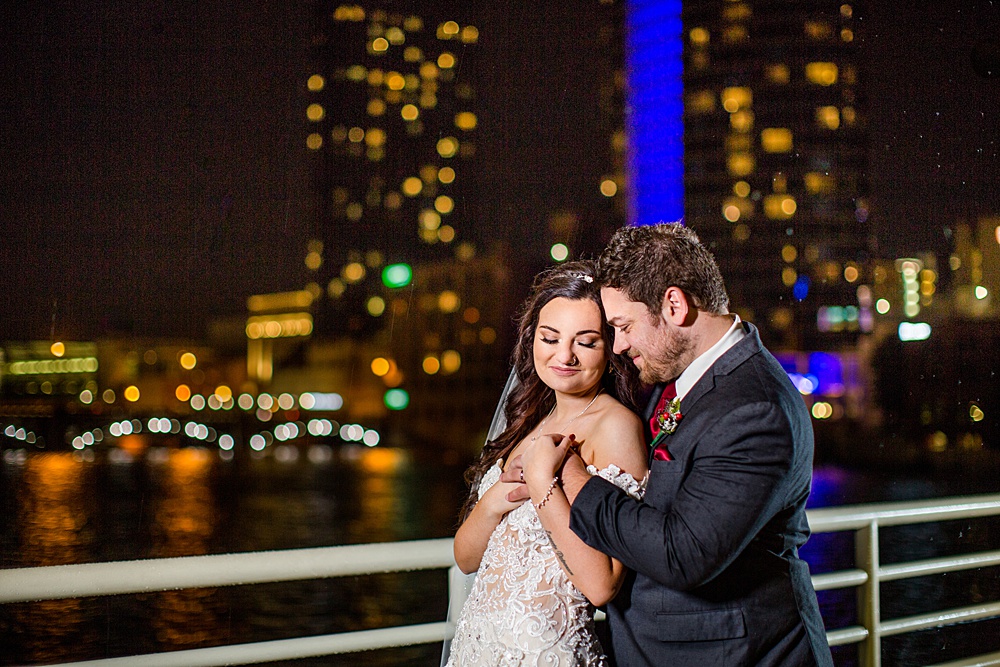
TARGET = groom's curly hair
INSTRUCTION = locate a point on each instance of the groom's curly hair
(643, 261)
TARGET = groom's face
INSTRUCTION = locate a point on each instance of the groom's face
(659, 349)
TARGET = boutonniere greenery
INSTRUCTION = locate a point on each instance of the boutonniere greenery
(669, 417)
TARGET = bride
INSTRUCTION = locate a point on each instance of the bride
(537, 583)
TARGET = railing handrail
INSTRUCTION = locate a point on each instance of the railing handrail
(141, 576)
(254, 567)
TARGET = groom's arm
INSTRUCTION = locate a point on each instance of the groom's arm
(735, 485)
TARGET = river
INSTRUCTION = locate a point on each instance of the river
(155, 502)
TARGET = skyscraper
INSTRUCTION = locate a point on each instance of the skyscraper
(775, 159)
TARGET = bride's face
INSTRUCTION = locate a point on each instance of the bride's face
(569, 351)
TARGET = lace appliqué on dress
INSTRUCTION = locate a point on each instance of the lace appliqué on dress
(523, 610)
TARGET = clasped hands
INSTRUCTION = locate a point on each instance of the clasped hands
(542, 461)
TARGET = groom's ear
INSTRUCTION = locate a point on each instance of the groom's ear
(675, 306)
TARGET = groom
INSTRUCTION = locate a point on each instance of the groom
(714, 544)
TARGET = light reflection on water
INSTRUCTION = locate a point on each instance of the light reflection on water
(159, 502)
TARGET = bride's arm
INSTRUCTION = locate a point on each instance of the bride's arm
(618, 440)
(474, 533)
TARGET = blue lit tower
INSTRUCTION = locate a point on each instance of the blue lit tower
(775, 157)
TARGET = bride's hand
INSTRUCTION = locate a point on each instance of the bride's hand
(501, 497)
(543, 459)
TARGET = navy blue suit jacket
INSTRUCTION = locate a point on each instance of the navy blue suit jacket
(714, 544)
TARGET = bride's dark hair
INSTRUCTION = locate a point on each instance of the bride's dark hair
(531, 398)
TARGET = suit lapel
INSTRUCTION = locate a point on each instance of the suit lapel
(733, 358)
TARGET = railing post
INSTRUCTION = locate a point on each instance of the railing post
(866, 556)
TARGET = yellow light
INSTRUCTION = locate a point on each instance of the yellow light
(976, 413)
(446, 233)
(470, 34)
(376, 306)
(356, 135)
(429, 219)
(465, 120)
(851, 273)
(828, 117)
(447, 147)
(412, 186)
(376, 107)
(778, 73)
(223, 393)
(188, 361)
(448, 301)
(58, 349)
(183, 393)
(736, 98)
(471, 315)
(395, 36)
(446, 60)
(699, 36)
(314, 260)
(559, 252)
(609, 188)
(314, 141)
(131, 393)
(450, 28)
(996, 233)
(380, 366)
(847, 35)
(740, 163)
(789, 253)
(731, 213)
(487, 335)
(380, 44)
(447, 175)
(741, 121)
(741, 189)
(789, 276)
(108, 396)
(431, 365)
(409, 112)
(412, 54)
(822, 73)
(315, 83)
(375, 136)
(451, 361)
(315, 112)
(981, 292)
(353, 272)
(776, 139)
(444, 204)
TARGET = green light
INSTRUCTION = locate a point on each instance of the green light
(397, 275)
(396, 399)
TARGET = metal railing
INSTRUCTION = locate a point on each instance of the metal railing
(143, 576)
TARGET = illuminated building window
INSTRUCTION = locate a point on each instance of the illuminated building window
(314, 142)
(354, 211)
(733, 34)
(412, 54)
(379, 45)
(412, 186)
(738, 142)
(736, 98)
(736, 12)
(411, 82)
(779, 206)
(375, 77)
(356, 135)
(741, 189)
(789, 254)
(701, 102)
(444, 204)
(429, 70)
(395, 81)
(847, 35)
(740, 164)
(446, 175)
(609, 188)
(822, 73)
(698, 36)
(846, 11)
(446, 60)
(818, 30)
(447, 147)
(395, 36)
(741, 121)
(776, 139)
(819, 184)
(789, 276)
(409, 112)
(778, 73)
(828, 117)
(737, 208)
(447, 30)
(848, 115)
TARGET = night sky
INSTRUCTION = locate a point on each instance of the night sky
(152, 174)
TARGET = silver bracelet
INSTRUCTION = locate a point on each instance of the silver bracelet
(548, 493)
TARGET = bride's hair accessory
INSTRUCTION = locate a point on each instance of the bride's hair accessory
(584, 277)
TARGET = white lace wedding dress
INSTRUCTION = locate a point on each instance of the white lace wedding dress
(522, 609)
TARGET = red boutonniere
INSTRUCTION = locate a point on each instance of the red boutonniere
(670, 417)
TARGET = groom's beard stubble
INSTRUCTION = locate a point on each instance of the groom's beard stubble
(668, 359)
